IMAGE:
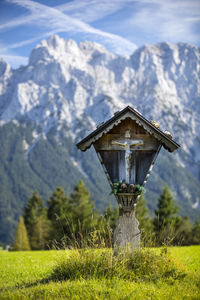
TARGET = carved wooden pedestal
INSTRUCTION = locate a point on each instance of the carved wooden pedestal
(127, 233)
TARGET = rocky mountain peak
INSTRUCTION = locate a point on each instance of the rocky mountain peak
(5, 69)
(65, 82)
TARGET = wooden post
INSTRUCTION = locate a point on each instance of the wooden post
(127, 234)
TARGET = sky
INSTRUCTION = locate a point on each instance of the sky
(120, 25)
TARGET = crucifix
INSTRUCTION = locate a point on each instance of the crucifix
(116, 152)
(126, 144)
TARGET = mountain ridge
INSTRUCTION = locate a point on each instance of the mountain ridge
(68, 89)
(83, 77)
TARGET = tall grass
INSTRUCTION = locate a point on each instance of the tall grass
(90, 256)
(101, 236)
(142, 265)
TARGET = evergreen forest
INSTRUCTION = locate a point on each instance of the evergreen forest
(70, 221)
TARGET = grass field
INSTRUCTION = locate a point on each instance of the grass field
(23, 276)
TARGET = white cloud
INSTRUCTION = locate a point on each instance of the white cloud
(54, 19)
(90, 11)
(171, 20)
(168, 20)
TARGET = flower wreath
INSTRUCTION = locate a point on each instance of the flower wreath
(123, 187)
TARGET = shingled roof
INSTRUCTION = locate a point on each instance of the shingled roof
(128, 112)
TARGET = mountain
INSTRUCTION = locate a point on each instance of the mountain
(65, 91)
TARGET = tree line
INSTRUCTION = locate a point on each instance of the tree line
(72, 221)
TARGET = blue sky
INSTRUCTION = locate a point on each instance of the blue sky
(120, 25)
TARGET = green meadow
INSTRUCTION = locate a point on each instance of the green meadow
(54, 275)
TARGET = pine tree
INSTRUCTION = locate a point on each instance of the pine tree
(183, 228)
(111, 215)
(107, 224)
(58, 204)
(72, 217)
(21, 238)
(142, 214)
(195, 233)
(37, 224)
(145, 222)
(166, 218)
(40, 237)
(58, 213)
(32, 211)
(83, 216)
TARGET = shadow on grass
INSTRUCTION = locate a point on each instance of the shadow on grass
(22, 285)
(52, 279)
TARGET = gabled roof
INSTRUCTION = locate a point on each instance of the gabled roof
(128, 112)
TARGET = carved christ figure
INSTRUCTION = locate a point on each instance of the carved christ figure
(126, 144)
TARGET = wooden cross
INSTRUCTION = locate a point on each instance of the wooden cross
(126, 144)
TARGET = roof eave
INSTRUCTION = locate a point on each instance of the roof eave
(166, 141)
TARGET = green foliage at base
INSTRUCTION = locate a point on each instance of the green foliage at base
(144, 264)
(123, 187)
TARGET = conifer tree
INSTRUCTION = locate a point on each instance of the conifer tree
(32, 211)
(145, 222)
(183, 228)
(195, 234)
(37, 224)
(58, 204)
(111, 215)
(107, 224)
(40, 237)
(21, 238)
(72, 216)
(166, 218)
(58, 213)
(142, 214)
(83, 216)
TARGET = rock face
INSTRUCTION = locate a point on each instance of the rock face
(64, 82)
(67, 89)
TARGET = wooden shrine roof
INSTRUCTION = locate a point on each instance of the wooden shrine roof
(128, 112)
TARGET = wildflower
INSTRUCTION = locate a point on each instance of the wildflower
(131, 188)
(124, 186)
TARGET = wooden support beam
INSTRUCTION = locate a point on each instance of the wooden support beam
(104, 169)
(152, 164)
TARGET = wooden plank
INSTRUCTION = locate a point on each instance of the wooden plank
(143, 163)
(133, 167)
(104, 168)
(122, 167)
(152, 164)
(111, 163)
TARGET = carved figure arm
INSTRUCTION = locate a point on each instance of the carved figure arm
(117, 143)
(137, 143)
